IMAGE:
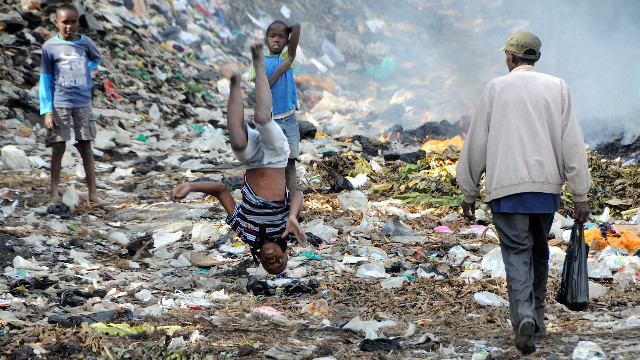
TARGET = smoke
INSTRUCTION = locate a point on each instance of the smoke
(593, 45)
(447, 50)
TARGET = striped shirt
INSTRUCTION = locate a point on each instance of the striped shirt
(255, 212)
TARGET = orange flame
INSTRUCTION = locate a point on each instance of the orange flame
(347, 139)
(439, 146)
(382, 137)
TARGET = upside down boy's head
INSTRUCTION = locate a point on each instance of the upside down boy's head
(273, 257)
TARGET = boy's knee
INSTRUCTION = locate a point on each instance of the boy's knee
(262, 118)
(238, 145)
(58, 148)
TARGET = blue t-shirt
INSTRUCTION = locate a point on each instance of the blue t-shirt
(527, 203)
(283, 91)
(65, 79)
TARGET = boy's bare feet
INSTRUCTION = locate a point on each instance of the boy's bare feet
(94, 199)
(231, 71)
(257, 53)
(55, 199)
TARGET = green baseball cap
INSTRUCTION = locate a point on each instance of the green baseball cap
(522, 42)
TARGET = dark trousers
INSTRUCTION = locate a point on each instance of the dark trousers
(525, 253)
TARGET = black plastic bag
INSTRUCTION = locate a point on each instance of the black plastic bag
(574, 290)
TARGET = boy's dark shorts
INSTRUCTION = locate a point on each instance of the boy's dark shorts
(84, 125)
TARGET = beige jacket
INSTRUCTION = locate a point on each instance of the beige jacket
(526, 137)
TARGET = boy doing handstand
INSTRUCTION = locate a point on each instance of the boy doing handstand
(268, 213)
(278, 66)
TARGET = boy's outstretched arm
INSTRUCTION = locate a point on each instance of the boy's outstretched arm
(293, 227)
(208, 187)
(294, 39)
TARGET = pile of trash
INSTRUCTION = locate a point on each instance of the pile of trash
(142, 277)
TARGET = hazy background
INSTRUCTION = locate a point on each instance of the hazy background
(446, 51)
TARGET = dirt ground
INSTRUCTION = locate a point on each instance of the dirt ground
(446, 321)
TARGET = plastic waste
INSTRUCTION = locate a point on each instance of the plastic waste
(210, 140)
(372, 252)
(14, 158)
(628, 274)
(162, 238)
(348, 259)
(268, 310)
(625, 240)
(317, 308)
(204, 231)
(119, 238)
(490, 299)
(393, 283)
(596, 290)
(395, 227)
(384, 69)
(471, 275)
(69, 321)
(587, 350)
(318, 227)
(480, 355)
(389, 345)
(233, 249)
(358, 181)
(606, 215)
(153, 310)
(109, 89)
(7, 206)
(154, 112)
(258, 287)
(457, 254)
(375, 25)
(58, 209)
(373, 269)
(144, 295)
(71, 198)
(493, 263)
(77, 297)
(21, 263)
(296, 289)
(182, 261)
(443, 229)
(574, 289)
(369, 328)
(121, 173)
(355, 199)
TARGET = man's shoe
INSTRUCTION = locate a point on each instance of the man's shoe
(539, 335)
(524, 335)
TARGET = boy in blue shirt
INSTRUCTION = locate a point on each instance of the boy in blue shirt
(65, 96)
(283, 87)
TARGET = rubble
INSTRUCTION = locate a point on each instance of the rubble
(391, 267)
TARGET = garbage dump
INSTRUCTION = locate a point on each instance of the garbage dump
(392, 268)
